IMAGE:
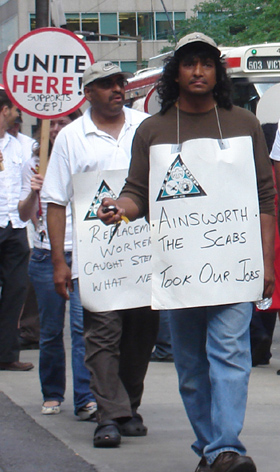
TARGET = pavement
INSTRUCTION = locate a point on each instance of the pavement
(31, 442)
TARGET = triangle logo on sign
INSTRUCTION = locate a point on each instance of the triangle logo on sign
(103, 191)
(179, 183)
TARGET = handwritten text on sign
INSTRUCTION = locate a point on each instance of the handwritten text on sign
(115, 275)
(205, 224)
(43, 72)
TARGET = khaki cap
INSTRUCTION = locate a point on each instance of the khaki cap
(101, 70)
(196, 37)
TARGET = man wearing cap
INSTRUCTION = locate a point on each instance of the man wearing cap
(118, 343)
(14, 248)
(211, 344)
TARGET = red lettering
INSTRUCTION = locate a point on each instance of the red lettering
(17, 83)
(51, 84)
(36, 86)
(67, 82)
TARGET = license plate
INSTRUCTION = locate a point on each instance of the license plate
(263, 63)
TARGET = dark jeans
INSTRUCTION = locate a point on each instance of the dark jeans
(14, 256)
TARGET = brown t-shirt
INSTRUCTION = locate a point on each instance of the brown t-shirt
(162, 129)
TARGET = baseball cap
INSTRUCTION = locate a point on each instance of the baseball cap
(197, 37)
(101, 70)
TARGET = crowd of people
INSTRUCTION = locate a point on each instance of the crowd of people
(111, 350)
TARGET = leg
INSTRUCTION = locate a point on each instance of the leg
(102, 340)
(81, 375)
(228, 351)
(260, 340)
(29, 320)
(163, 348)
(140, 328)
(188, 337)
(14, 256)
(51, 311)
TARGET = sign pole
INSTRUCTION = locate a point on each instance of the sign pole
(44, 147)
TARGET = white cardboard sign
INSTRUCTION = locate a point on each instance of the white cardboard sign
(112, 275)
(43, 72)
(205, 224)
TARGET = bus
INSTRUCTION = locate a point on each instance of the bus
(252, 68)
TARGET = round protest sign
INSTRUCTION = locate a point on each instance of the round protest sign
(151, 104)
(269, 105)
(43, 71)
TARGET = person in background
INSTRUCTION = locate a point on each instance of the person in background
(118, 343)
(211, 344)
(52, 306)
(14, 248)
(29, 325)
(263, 322)
(163, 348)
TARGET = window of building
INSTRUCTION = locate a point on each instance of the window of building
(32, 22)
(178, 17)
(73, 21)
(90, 22)
(145, 23)
(128, 66)
(108, 25)
(163, 28)
(9, 33)
(127, 24)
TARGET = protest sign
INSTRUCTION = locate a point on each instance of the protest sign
(113, 274)
(205, 224)
(43, 71)
(42, 75)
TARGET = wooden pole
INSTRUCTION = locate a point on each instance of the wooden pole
(44, 147)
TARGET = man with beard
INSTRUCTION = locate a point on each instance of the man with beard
(118, 343)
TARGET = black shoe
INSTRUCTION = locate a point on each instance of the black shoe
(107, 434)
(260, 350)
(133, 427)
(233, 462)
(203, 466)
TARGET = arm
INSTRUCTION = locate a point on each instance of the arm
(125, 207)
(268, 234)
(27, 208)
(56, 219)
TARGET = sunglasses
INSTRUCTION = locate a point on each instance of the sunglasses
(110, 83)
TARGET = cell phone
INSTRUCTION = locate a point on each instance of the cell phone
(110, 208)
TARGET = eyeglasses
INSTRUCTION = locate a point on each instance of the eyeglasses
(110, 83)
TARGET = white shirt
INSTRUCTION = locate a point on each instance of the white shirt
(10, 182)
(275, 151)
(82, 147)
(27, 173)
(26, 143)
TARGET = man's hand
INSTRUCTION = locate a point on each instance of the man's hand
(109, 212)
(62, 280)
(36, 182)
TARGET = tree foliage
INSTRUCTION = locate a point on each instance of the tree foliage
(235, 22)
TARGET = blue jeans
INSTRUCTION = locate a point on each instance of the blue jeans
(52, 315)
(211, 348)
(163, 346)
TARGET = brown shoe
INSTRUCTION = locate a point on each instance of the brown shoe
(233, 462)
(16, 366)
(203, 466)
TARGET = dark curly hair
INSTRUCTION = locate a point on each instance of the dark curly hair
(168, 89)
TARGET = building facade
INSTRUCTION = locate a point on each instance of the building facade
(141, 27)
